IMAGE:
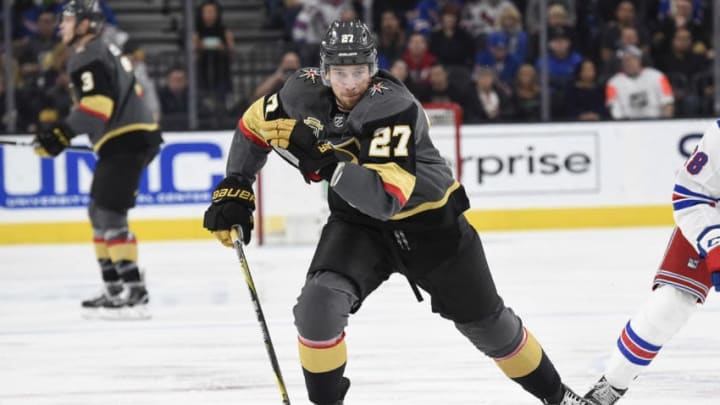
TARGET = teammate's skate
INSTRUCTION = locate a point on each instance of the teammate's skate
(602, 393)
(571, 398)
(130, 304)
(92, 306)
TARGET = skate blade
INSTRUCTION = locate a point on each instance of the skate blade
(137, 312)
(90, 313)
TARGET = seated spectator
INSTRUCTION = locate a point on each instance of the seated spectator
(289, 63)
(498, 58)
(36, 48)
(214, 44)
(558, 18)
(174, 100)
(399, 69)
(526, 96)
(452, 45)
(493, 103)
(562, 60)
(481, 17)
(391, 39)
(613, 32)
(424, 17)
(511, 27)
(585, 98)
(681, 18)
(443, 90)
(681, 65)
(637, 91)
(532, 13)
(418, 58)
(310, 25)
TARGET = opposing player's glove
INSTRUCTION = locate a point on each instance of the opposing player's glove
(712, 261)
(316, 158)
(52, 140)
(233, 203)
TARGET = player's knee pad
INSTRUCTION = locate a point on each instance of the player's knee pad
(103, 218)
(497, 334)
(667, 310)
(322, 309)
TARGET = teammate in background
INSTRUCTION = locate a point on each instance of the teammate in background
(125, 137)
(691, 266)
(394, 207)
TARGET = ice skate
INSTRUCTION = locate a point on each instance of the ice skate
(570, 398)
(130, 304)
(92, 306)
(602, 393)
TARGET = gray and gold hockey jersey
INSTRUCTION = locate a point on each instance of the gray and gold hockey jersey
(108, 103)
(394, 175)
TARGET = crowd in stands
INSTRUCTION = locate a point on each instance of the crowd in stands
(606, 59)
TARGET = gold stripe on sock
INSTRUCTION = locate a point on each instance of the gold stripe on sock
(123, 250)
(322, 359)
(101, 249)
(524, 359)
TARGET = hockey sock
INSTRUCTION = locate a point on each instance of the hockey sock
(122, 248)
(529, 366)
(663, 314)
(109, 274)
(323, 364)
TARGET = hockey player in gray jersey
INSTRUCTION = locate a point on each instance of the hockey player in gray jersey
(394, 207)
(109, 108)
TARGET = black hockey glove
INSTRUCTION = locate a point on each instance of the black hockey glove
(316, 158)
(233, 203)
(52, 140)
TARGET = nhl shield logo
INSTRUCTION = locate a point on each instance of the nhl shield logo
(339, 120)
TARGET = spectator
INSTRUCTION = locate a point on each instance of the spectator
(174, 100)
(58, 101)
(36, 49)
(612, 37)
(585, 98)
(443, 90)
(492, 101)
(681, 65)
(424, 17)
(532, 13)
(311, 24)
(562, 60)
(136, 56)
(511, 27)
(399, 69)
(628, 36)
(452, 45)
(498, 58)
(637, 91)
(681, 18)
(214, 44)
(526, 97)
(557, 19)
(481, 17)
(418, 58)
(289, 63)
(391, 39)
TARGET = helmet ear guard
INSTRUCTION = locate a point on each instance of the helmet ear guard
(347, 43)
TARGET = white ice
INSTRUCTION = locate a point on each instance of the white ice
(574, 290)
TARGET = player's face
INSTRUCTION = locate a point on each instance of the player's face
(67, 28)
(349, 83)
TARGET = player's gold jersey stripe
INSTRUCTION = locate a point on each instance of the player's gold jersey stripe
(322, 360)
(524, 360)
(430, 205)
(397, 180)
(123, 130)
(252, 121)
(98, 105)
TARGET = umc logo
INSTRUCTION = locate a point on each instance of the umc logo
(67, 184)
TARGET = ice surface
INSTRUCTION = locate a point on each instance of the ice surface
(574, 290)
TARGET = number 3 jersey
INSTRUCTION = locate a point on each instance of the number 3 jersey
(393, 175)
(696, 195)
(109, 104)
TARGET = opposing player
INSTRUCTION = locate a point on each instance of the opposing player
(691, 266)
(394, 207)
(110, 109)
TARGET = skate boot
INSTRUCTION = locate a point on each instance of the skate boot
(570, 398)
(602, 393)
(109, 293)
(130, 304)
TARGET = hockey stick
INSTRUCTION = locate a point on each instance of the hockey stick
(236, 235)
(30, 144)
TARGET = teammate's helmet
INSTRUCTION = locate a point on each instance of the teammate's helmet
(86, 9)
(348, 43)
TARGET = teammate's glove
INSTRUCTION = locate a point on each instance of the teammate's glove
(233, 203)
(52, 140)
(316, 158)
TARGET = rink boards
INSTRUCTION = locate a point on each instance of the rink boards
(518, 176)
